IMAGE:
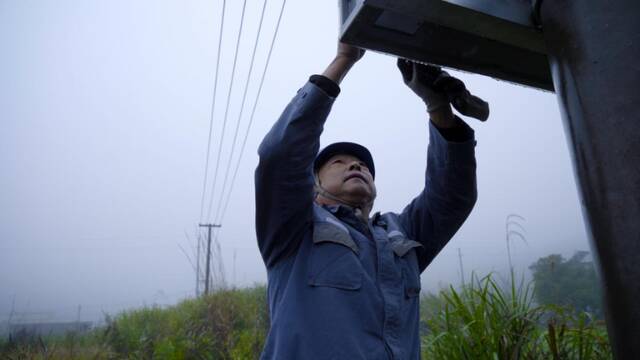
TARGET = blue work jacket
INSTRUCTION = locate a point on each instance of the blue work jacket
(340, 288)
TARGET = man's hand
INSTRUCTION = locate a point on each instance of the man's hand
(438, 90)
(346, 57)
(420, 79)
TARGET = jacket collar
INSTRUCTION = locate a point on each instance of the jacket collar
(339, 210)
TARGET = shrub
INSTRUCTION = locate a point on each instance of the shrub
(228, 324)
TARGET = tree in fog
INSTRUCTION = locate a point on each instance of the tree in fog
(571, 282)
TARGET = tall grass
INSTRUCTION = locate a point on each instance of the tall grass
(486, 321)
(482, 320)
(229, 324)
(70, 346)
(572, 335)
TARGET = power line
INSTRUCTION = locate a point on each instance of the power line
(244, 98)
(213, 106)
(253, 112)
(251, 118)
(226, 112)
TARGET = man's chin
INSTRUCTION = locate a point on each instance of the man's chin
(358, 194)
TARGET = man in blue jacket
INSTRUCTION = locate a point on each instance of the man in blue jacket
(342, 284)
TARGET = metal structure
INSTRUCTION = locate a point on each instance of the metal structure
(594, 48)
(497, 38)
(587, 51)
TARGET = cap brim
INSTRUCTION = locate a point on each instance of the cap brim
(347, 148)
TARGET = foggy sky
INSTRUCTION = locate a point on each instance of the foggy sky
(104, 113)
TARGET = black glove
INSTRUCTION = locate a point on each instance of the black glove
(437, 89)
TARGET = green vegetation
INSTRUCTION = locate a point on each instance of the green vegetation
(71, 346)
(486, 321)
(482, 320)
(229, 324)
(571, 283)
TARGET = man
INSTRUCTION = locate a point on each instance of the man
(341, 284)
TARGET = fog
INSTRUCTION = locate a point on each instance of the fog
(104, 118)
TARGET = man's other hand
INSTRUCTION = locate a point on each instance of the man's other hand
(349, 52)
(420, 79)
(439, 90)
(346, 57)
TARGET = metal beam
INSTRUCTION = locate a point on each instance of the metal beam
(594, 49)
(496, 38)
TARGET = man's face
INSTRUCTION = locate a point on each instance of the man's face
(348, 178)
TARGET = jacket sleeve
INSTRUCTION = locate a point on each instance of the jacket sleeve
(450, 193)
(284, 176)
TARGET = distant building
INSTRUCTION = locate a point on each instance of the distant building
(49, 328)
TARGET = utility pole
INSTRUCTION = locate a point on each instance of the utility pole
(198, 265)
(208, 263)
(13, 308)
(235, 253)
(461, 269)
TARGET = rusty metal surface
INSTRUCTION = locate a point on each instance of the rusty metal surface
(594, 49)
(497, 38)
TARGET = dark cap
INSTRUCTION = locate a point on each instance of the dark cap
(345, 148)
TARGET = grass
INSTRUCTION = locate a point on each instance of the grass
(482, 320)
(229, 324)
(70, 346)
(486, 321)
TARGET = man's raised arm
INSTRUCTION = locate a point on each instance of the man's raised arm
(450, 192)
(284, 176)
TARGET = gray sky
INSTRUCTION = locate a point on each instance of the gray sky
(104, 113)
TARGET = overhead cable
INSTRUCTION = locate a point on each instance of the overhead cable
(226, 112)
(213, 106)
(244, 98)
(253, 112)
